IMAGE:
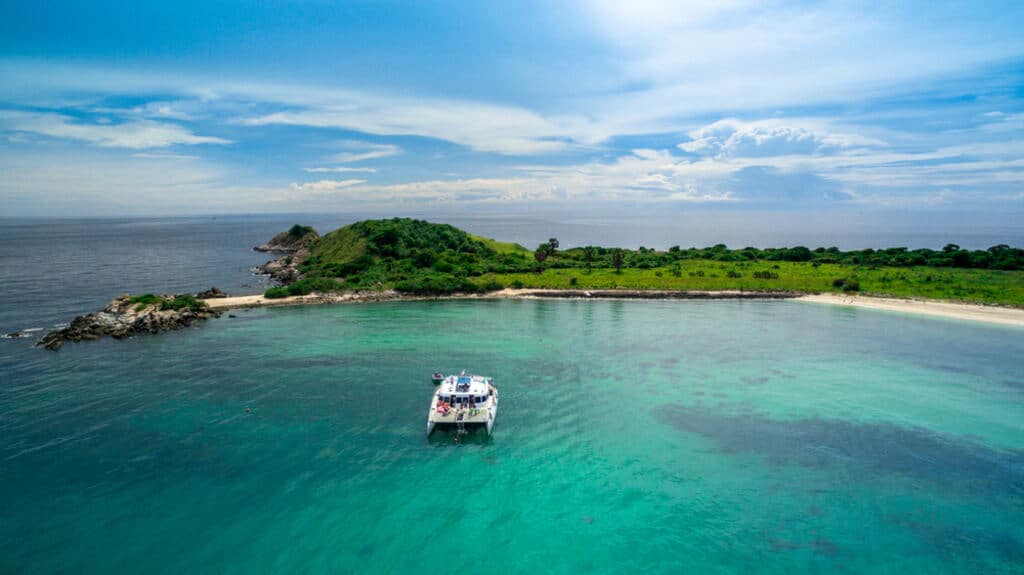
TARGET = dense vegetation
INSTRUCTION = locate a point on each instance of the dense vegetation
(1001, 257)
(299, 231)
(411, 256)
(415, 256)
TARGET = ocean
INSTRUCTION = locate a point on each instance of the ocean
(633, 436)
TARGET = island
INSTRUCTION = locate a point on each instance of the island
(403, 258)
(417, 257)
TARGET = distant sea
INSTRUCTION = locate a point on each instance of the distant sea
(633, 436)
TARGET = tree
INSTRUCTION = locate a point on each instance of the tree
(540, 255)
(588, 256)
(617, 261)
(552, 245)
(950, 248)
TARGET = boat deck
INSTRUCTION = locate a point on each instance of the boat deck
(468, 416)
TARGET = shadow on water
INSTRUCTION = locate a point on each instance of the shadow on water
(451, 437)
(870, 449)
(911, 452)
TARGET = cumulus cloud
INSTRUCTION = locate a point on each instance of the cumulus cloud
(325, 185)
(734, 138)
(138, 134)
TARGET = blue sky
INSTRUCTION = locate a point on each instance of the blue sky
(120, 108)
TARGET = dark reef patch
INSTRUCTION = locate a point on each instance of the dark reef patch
(871, 447)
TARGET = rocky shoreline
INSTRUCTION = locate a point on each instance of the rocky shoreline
(294, 246)
(123, 318)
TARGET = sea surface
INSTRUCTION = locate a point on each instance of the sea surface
(632, 436)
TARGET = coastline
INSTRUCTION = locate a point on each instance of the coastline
(952, 310)
(250, 301)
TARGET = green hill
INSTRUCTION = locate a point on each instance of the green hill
(408, 255)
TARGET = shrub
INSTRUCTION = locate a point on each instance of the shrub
(276, 292)
(184, 301)
(734, 274)
(492, 285)
(851, 285)
(517, 284)
(838, 282)
(143, 300)
(299, 231)
(424, 259)
(360, 264)
(441, 284)
(572, 281)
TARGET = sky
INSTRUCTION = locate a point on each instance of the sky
(137, 108)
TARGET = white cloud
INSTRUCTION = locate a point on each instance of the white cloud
(138, 134)
(341, 169)
(163, 156)
(774, 137)
(325, 185)
(717, 56)
(362, 151)
(480, 126)
(96, 182)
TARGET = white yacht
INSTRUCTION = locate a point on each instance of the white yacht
(463, 401)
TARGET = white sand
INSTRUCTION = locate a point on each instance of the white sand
(243, 301)
(990, 314)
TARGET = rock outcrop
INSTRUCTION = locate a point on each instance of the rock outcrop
(125, 318)
(291, 241)
(295, 244)
(284, 269)
(211, 293)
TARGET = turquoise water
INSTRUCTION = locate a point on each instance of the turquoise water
(663, 437)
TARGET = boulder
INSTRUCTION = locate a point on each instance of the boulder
(211, 293)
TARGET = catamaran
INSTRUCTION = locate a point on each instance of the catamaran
(463, 401)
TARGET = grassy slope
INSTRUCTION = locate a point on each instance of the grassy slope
(342, 246)
(971, 285)
(502, 247)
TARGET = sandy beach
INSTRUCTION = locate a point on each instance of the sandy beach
(990, 314)
(388, 295)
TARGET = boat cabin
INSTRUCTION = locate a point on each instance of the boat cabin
(464, 391)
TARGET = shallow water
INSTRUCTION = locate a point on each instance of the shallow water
(663, 436)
